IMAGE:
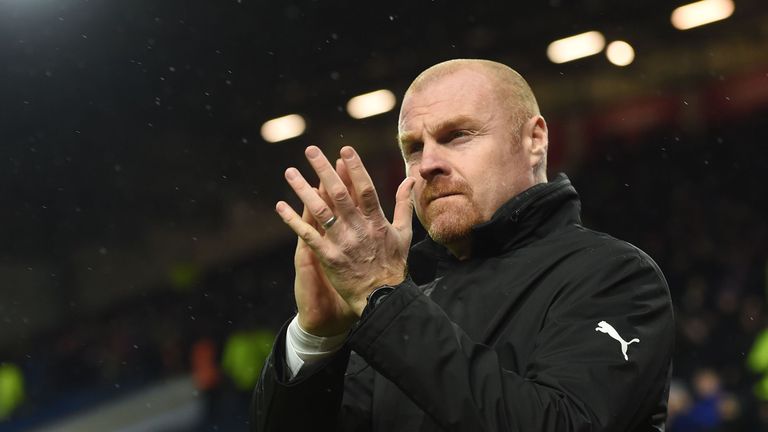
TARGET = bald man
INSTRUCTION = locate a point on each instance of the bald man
(510, 316)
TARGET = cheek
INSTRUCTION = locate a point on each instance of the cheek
(416, 192)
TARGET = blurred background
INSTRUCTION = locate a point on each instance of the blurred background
(143, 271)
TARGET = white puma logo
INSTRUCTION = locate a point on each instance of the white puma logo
(604, 327)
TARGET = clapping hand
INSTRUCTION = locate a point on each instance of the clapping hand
(346, 246)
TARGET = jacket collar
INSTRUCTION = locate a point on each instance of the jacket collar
(530, 215)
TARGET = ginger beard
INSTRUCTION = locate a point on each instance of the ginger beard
(447, 211)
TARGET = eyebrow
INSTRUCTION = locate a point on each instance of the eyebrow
(406, 138)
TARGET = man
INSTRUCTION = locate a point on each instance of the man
(511, 316)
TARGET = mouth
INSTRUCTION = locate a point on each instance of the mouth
(446, 195)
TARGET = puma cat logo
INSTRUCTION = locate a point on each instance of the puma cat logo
(604, 327)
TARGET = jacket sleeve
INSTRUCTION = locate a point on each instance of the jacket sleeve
(577, 378)
(333, 394)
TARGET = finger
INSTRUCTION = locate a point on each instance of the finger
(318, 208)
(307, 217)
(364, 189)
(324, 195)
(341, 170)
(342, 202)
(302, 229)
(403, 215)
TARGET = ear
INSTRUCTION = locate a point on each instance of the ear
(535, 139)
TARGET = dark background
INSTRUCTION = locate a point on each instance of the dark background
(136, 193)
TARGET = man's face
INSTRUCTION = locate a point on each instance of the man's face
(459, 144)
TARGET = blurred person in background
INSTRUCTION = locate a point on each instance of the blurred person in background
(509, 316)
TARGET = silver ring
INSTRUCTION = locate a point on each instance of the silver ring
(329, 223)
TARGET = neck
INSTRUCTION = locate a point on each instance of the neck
(461, 248)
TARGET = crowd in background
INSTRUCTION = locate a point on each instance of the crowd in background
(685, 198)
(692, 202)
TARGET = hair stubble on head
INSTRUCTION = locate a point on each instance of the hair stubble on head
(513, 92)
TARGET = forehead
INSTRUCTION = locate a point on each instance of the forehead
(463, 93)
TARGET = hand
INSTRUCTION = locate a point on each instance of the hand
(361, 250)
(322, 311)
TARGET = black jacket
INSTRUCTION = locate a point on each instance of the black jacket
(518, 338)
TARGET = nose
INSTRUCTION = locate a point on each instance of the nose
(433, 161)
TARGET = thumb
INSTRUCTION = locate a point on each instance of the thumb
(403, 215)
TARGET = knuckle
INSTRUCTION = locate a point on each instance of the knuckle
(306, 234)
(368, 193)
(318, 210)
(334, 258)
(338, 194)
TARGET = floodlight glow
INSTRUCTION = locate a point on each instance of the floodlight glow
(700, 13)
(283, 128)
(371, 104)
(620, 53)
(576, 47)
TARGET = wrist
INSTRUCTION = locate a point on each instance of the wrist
(375, 298)
(325, 329)
(359, 304)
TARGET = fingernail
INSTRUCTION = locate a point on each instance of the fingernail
(347, 153)
(290, 173)
(279, 207)
(313, 152)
